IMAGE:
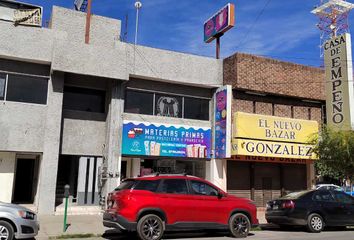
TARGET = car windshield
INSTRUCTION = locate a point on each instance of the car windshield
(294, 195)
(127, 184)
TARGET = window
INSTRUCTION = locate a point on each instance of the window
(2, 86)
(139, 102)
(323, 196)
(201, 188)
(84, 99)
(147, 185)
(195, 108)
(26, 89)
(175, 186)
(168, 106)
(343, 197)
(127, 184)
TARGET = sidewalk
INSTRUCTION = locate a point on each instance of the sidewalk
(51, 226)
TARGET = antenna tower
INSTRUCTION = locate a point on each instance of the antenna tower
(333, 19)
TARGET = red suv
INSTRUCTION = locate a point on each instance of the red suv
(151, 205)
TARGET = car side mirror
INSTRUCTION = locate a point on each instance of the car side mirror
(220, 195)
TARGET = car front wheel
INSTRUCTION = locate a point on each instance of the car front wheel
(239, 225)
(6, 231)
(150, 227)
(315, 223)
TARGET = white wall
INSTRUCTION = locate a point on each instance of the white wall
(7, 173)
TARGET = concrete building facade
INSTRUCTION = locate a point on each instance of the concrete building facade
(62, 106)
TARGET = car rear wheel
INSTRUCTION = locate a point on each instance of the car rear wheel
(6, 231)
(150, 227)
(315, 223)
(239, 225)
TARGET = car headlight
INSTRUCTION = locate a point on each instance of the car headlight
(26, 214)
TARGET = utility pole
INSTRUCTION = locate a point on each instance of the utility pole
(137, 5)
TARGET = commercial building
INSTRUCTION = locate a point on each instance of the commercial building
(89, 115)
(65, 107)
(277, 108)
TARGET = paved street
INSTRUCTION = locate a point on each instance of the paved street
(271, 234)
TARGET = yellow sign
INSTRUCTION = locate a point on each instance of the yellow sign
(261, 127)
(339, 82)
(272, 149)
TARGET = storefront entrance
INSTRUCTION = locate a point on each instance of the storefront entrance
(263, 182)
(25, 180)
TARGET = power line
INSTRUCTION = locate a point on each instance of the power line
(245, 37)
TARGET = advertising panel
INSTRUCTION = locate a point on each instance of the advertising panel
(219, 23)
(272, 149)
(222, 122)
(154, 139)
(31, 17)
(272, 128)
(339, 82)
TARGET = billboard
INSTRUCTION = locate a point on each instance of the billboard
(219, 23)
(155, 139)
(339, 83)
(222, 122)
(273, 128)
(32, 17)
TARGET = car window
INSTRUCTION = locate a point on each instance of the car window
(175, 186)
(127, 184)
(148, 185)
(323, 196)
(343, 197)
(201, 188)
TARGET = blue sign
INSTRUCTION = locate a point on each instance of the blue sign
(153, 139)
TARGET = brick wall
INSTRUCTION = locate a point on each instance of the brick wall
(244, 71)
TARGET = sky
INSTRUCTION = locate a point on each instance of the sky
(279, 29)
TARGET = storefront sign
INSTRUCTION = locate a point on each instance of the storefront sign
(222, 129)
(28, 16)
(272, 149)
(261, 127)
(154, 139)
(219, 23)
(339, 82)
(269, 159)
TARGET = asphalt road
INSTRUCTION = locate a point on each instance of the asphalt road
(267, 234)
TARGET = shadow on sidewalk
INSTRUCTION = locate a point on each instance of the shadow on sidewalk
(116, 235)
(285, 228)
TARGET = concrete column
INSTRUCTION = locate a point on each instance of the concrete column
(49, 163)
(311, 179)
(216, 172)
(114, 137)
(7, 174)
(135, 167)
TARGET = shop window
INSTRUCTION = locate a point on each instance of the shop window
(26, 89)
(174, 186)
(147, 185)
(2, 86)
(168, 105)
(84, 99)
(139, 102)
(195, 108)
(200, 188)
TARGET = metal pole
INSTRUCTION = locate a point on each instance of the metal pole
(88, 22)
(65, 214)
(137, 5)
(217, 47)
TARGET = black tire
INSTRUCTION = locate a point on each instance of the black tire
(315, 223)
(150, 227)
(239, 225)
(6, 231)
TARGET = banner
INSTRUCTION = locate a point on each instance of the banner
(154, 139)
(222, 122)
(272, 149)
(262, 127)
(339, 82)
